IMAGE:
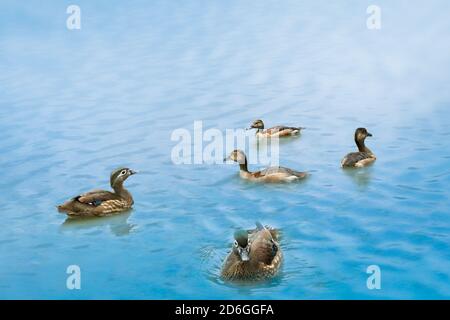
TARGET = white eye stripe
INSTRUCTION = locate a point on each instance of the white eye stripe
(123, 172)
(236, 244)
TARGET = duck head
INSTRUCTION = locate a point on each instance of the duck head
(257, 124)
(118, 176)
(237, 156)
(241, 246)
(361, 134)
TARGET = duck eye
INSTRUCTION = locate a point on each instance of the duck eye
(236, 244)
(123, 172)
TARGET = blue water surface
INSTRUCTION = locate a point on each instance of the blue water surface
(75, 104)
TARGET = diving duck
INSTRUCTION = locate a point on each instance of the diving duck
(255, 255)
(278, 131)
(364, 156)
(271, 174)
(99, 203)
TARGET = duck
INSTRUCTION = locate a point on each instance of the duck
(277, 131)
(271, 174)
(100, 203)
(364, 156)
(255, 255)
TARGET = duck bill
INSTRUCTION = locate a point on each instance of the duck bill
(133, 172)
(244, 255)
(369, 134)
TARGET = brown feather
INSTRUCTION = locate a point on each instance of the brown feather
(101, 202)
(280, 131)
(363, 156)
(265, 258)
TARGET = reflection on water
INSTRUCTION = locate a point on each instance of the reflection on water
(117, 224)
(75, 105)
(361, 176)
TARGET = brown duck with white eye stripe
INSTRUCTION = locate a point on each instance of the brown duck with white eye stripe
(256, 255)
(99, 203)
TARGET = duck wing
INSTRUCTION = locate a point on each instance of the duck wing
(283, 130)
(263, 245)
(352, 158)
(274, 232)
(86, 203)
(278, 170)
(96, 197)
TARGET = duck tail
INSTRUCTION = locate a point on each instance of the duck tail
(66, 206)
(259, 226)
(301, 175)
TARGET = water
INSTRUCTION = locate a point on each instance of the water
(76, 104)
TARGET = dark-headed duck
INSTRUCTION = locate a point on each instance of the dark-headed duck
(364, 156)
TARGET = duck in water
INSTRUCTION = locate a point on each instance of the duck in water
(278, 131)
(255, 255)
(99, 203)
(271, 174)
(364, 156)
